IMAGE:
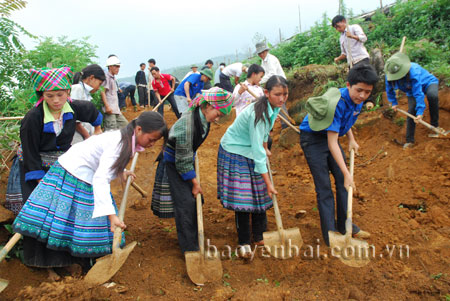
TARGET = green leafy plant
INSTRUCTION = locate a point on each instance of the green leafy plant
(437, 276)
(400, 121)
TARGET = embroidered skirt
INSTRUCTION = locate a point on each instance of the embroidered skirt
(162, 204)
(58, 213)
(14, 200)
(239, 187)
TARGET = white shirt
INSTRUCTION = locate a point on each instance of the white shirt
(150, 80)
(189, 73)
(233, 70)
(217, 74)
(81, 91)
(90, 161)
(244, 99)
(271, 66)
(357, 49)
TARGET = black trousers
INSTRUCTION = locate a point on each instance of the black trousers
(185, 209)
(259, 225)
(143, 98)
(321, 163)
(433, 105)
(225, 82)
(153, 99)
(173, 104)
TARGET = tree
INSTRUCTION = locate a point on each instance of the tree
(13, 74)
(75, 53)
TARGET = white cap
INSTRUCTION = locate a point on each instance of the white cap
(112, 61)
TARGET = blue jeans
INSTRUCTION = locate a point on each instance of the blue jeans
(321, 163)
(128, 91)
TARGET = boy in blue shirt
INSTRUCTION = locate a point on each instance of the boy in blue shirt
(331, 116)
(416, 82)
(190, 87)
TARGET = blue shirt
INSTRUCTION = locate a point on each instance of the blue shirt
(246, 139)
(420, 80)
(195, 87)
(344, 117)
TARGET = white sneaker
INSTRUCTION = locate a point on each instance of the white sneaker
(408, 145)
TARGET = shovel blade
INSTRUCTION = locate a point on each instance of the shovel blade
(107, 266)
(202, 269)
(3, 284)
(351, 251)
(273, 243)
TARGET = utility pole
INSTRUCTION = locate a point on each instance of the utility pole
(279, 30)
(300, 20)
(381, 5)
(237, 59)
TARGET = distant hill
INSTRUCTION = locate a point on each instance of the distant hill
(180, 71)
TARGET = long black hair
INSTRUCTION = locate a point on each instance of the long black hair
(149, 122)
(263, 102)
(93, 69)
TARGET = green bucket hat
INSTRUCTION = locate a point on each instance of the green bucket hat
(397, 66)
(208, 73)
(321, 109)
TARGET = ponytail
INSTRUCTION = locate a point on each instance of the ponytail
(149, 122)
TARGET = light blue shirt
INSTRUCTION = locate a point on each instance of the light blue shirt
(246, 139)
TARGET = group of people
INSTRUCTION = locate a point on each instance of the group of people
(69, 214)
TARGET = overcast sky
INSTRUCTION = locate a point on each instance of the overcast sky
(174, 32)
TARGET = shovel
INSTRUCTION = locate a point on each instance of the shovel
(351, 251)
(433, 128)
(280, 243)
(107, 266)
(3, 282)
(161, 102)
(201, 267)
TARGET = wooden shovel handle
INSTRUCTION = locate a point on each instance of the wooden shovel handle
(279, 115)
(402, 46)
(421, 122)
(201, 235)
(275, 205)
(161, 102)
(289, 124)
(139, 189)
(123, 204)
(348, 222)
(11, 118)
(11, 243)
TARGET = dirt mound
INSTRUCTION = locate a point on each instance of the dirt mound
(402, 199)
(311, 80)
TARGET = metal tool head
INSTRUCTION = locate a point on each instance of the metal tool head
(283, 247)
(351, 251)
(107, 266)
(203, 269)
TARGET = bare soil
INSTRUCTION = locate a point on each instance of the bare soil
(402, 199)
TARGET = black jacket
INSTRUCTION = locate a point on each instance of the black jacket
(140, 78)
(37, 137)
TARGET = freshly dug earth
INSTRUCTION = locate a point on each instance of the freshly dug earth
(402, 199)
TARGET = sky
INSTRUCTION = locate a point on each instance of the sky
(174, 32)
